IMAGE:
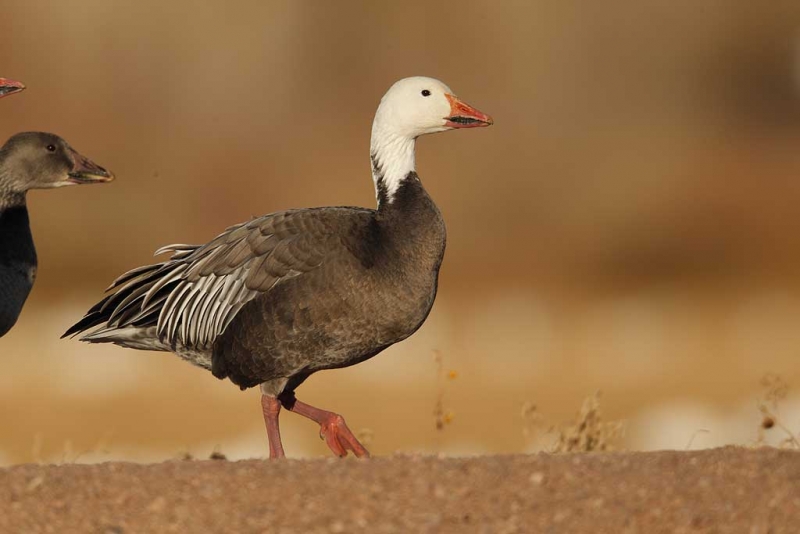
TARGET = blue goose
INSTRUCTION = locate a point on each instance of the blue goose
(273, 300)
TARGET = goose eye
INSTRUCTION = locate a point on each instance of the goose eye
(51, 148)
(425, 92)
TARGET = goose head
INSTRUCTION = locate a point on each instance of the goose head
(9, 87)
(419, 105)
(410, 108)
(36, 160)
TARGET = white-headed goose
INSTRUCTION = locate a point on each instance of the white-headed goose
(273, 300)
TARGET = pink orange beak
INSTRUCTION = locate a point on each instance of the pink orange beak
(9, 87)
(462, 115)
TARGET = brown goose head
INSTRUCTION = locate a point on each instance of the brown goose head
(37, 160)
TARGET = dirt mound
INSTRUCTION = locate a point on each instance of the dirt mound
(722, 490)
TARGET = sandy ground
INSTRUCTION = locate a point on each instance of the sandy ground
(724, 490)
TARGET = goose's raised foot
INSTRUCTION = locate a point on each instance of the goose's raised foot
(339, 438)
(332, 428)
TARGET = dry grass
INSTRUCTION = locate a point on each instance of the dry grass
(442, 415)
(775, 391)
(68, 453)
(587, 433)
(534, 427)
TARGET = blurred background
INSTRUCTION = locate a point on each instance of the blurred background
(629, 224)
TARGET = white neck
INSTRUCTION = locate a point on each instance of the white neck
(392, 159)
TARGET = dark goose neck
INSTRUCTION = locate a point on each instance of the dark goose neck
(16, 241)
(410, 204)
(412, 225)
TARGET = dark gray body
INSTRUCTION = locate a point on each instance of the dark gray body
(17, 264)
(323, 288)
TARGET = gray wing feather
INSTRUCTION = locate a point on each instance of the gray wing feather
(189, 299)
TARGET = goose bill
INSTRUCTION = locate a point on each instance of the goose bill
(9, 87)
(462, 115)
(86, 171)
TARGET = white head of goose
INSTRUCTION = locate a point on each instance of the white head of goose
(10, 87)
(410, 108)
(31, 160)
(271, 301)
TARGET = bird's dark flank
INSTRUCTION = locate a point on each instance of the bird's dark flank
(17, 264)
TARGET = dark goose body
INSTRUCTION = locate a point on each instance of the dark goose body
(274, 300)
(17, 264)
(17, 254)
(30, 160)
(319, 288)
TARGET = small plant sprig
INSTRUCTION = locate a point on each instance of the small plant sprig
(442, 416)
(588, 433)
(775, 390)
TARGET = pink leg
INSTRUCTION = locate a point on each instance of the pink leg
(332, 428)
(272, 408)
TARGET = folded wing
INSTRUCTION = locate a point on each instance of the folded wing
(188, 300)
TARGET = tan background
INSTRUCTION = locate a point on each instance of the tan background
(629, 224)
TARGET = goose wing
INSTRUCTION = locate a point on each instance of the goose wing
(193, 296)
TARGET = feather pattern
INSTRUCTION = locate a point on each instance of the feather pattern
(188, 300)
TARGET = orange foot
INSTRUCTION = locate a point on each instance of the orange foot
(332, 427)
(339, 438)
